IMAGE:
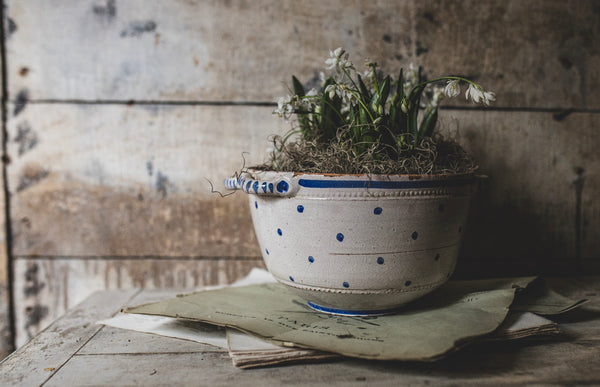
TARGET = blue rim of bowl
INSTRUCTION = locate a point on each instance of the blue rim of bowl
(375, 184)
(344, 312)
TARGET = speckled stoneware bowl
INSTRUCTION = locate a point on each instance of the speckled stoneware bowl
(358, 244)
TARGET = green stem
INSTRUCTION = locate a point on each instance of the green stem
(423, 84)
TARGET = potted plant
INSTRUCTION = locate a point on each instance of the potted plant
(362, 205)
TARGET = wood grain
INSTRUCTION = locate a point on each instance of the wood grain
(120, 110)
(6, 334)
(243, 51)
(111, 357)
(539, 211)
(191, 50)
(533, 54)
(46, 288)
(6, 339)
(133, 180)
(60, 342)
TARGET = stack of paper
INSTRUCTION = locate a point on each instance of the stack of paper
(248, 351)
(283, 329)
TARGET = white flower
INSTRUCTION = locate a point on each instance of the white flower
(452, 88)
(342, 91)
(474, 92)
(338, 60)
(312, 92)
(410, 78)
(477, 94)
(284, 106)
(334, 58)
(488, 96)
(322, 78)
(404, 107)
(331, 90)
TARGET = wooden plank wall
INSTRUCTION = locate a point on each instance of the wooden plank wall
(119, 110)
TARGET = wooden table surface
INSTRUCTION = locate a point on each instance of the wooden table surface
(75, 351)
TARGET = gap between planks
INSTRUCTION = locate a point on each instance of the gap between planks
(137, 257)
(562, 111)
(100, 327)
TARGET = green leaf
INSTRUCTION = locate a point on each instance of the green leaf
(400, 87)
(364, 117)
(375, 101)
(413, 112)
(331, 118)
(303, 120)
(364, 91)
(298, 88)
(428, 124)
(385, 90)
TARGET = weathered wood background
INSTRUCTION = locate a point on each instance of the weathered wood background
(117, 111)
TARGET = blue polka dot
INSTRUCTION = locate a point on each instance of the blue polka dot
(248, 185)
(267, 251)
(300, 208)
(291, 278)
(255, 187)
(407, 283)
(282, 186)
(255, 205)
(263, 186)
(279, 232)
(377, 210)
(380, 260)
(271, 187)
(415, 235)
(346, 285)
(340, 237)
(311, 259)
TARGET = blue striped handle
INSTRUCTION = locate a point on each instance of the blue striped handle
(278, 187)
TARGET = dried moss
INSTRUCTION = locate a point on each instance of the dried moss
(431, 156)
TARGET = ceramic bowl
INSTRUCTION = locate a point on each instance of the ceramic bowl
(358, 244)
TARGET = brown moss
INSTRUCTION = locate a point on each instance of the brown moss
(431, 156)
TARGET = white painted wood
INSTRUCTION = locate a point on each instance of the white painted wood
(167, 149)
(113, 340)
(190, 50)
(133, 180)
(34, 363)
(46, 288)
(243, 51)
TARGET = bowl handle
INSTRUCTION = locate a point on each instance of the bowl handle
(281, 186)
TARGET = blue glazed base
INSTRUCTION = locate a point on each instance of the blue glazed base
(343, 312)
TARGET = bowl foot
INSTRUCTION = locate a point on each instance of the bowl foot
(344, 312)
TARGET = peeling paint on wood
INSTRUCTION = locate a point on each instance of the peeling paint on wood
(61, 284)
(194, 50)
(97, 220)
(26, 138)
(225, 53)
(165, 148)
